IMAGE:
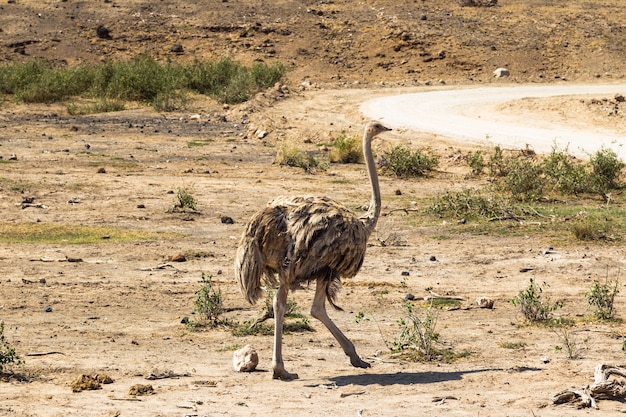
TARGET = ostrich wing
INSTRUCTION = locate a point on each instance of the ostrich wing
(326, 238)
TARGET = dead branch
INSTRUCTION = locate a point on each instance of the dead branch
(168, 374)
(44, 353)
(601, 389)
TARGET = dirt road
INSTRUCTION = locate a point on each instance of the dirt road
(494, 116)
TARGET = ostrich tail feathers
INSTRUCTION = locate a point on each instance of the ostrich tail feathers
(249, 269)
(333, 287)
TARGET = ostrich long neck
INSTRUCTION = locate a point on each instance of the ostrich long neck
(373, 212)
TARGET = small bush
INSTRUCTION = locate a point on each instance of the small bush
(418, 335)
(533, 305)
(346, 149)
(472, 203)
(476, 162)
(8, 356)
(185, 199)
(208, 303)
(601, 297)
(606, 172)
(102, 106)
(569, 342)
(291, 155)
(592, 228)
(498, 164)
(405, 163)
(524, 180)
(567, 175)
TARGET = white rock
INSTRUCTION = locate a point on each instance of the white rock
(501, 72)
(245, 359)
(484, 302)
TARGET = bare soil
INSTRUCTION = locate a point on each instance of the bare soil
(118, 311)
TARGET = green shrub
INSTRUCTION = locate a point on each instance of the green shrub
(208, 303)
(498, 164)
(141, 78)
(405, 163)
(291, 155)
(185, 199)
(592, 228)
(476, 162)
(524, 180)
(8, 356)
(533, 305)
(566, 174)
(472, 203)
(346, 149)
(418, 335)
(606, 172)
(602, 298)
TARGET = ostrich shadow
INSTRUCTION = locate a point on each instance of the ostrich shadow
(404, 378)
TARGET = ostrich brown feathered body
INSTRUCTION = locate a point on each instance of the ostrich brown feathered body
(303, 239)
(296, 240)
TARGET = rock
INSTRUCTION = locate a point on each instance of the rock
(47, 309)
(103, 32)
(409, 297)
(179, 257)
(177, 49)
(501, 72)
(433, 258)
(484, 302)
(227, 220)
(245, 359)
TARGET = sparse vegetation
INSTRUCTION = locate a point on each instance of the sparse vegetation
(601, 297)
(513, 345)
(8, 355)
(569, 342)
(185, 200)
(592, 227)
(208, 304)
(346, 149)
(405, 163)
(534, 305)
(291, 155)
(258, 326)
(165, 86)
(418, 335)
(526, 177)
(73, 234)
(472, 203)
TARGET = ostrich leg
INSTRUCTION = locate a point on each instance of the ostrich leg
(280, 305)
(318, 310)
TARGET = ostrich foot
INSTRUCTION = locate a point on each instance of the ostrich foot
(280, 373)
(359, 363)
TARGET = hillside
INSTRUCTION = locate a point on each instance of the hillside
(335, 41)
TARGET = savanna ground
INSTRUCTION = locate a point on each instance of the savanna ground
(118, 311)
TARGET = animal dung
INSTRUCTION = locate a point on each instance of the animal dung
(89, 382)
(140, 390)
(245, 359)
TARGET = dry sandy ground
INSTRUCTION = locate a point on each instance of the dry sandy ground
(117, 313)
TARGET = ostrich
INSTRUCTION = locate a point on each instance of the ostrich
(304, 239)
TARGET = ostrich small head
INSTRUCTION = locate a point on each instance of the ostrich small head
(374, 128)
